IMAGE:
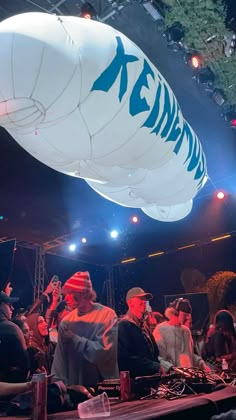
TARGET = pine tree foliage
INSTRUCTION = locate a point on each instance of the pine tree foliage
(205, 28)
(216, 289)
(225, 69)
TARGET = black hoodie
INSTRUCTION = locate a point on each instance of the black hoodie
(14, 362)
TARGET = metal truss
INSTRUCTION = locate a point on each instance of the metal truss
(39, 273)
(40, 256)
(110, 290)
(105, 9)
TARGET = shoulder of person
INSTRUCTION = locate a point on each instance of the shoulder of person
(13, 334)
(186, 329)
(10, 327)
(163, 326)
(106, 309)
(70, 316)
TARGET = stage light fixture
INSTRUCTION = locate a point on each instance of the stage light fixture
(195, 62)
(220, 195)
(72, 247)
(86, 15)
(219, 238)
(186, 246)
(88, 11)
(114, 234)
(84, 240)
(230, 116)
(128, 260)
(156, 254)
(135, 219)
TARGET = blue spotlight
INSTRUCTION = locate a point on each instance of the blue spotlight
(114, 234)
(72, 247)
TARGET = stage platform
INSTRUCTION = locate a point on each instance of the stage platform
(202, 406)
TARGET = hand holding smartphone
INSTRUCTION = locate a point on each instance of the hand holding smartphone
(55, 279)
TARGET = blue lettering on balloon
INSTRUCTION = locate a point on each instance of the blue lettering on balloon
(168, 124)
(151, 120)
(186, 132)
(119, 64)
(136, 103)
(168, 112)
(200, 173)
(175, 129)
(193, 144)
(196, 159)
(195, 156)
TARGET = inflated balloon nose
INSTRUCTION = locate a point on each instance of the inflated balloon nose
(21, 113)
(101, 111)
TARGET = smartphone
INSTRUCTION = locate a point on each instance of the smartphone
(55, 279)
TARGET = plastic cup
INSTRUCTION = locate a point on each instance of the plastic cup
(95, 407)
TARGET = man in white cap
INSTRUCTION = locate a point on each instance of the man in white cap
(137, 350)
(86, 352)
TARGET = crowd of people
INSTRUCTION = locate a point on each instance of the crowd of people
(81, 342)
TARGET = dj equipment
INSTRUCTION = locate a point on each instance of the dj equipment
(111, 387)
(187, 380)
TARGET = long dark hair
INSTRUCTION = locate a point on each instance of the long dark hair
(224, 322)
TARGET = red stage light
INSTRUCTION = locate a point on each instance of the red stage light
(233, 123)
(86, 16)
(195, 61)
(135, 219)
(220, 195)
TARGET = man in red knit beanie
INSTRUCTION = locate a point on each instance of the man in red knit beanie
(86, 352)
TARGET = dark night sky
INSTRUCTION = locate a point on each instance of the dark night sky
(39, 204)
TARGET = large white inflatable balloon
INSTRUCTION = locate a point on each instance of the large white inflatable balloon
(84, 99)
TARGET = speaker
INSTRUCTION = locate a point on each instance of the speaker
(200, 309)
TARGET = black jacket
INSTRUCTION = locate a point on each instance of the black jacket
(14, 362)
(137, 349)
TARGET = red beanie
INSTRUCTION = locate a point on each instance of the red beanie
(80, 282)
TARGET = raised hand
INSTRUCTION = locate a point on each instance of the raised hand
(8, 289)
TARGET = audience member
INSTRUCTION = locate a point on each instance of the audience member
(56, 312)
(86, 352)
(54, 319)
(40, 350)
(44, 299)
(188, 321)
(22, 324)
(14, 362)
(154, 318)
(8, 289)
(221, 341)
(137, 350)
